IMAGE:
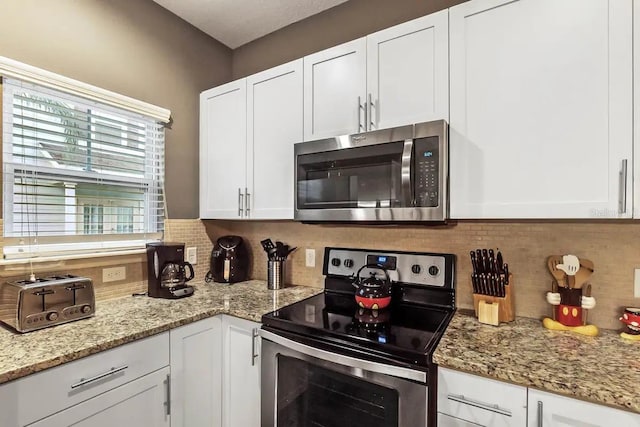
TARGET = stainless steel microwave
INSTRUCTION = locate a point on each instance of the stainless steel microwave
(392, 175)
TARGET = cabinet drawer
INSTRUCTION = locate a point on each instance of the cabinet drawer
(480, 400)
(46, 392)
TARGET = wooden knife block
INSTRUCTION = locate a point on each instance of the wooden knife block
(504, 307)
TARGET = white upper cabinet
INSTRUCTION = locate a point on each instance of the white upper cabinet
(274, 124)
(408, 72)
(636, 109)
(247, 131)
(335, 90)
(541, 109)
(223, 150)
(394, 77)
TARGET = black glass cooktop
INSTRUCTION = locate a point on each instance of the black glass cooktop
(404, 332)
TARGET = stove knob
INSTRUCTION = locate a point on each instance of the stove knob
(348, 263)
(416, 269)
(335, 262)
(85, 309)
(433, 270)
(53, 316)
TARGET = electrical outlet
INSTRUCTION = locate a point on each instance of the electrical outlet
(310, 258)
(192, 255)
(114, 274)
(636, 283)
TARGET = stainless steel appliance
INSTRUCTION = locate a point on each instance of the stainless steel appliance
(328, 362)
(27, 305)
(397, 174)
(167, 271)
(229, 261)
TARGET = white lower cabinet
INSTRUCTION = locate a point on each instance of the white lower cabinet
(196, 375)
(126, 385)
(466, 400)
(552, 410)
(142, 402)
(241, 373)
(470, 400)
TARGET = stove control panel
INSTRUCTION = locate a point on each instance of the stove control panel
(412, 268)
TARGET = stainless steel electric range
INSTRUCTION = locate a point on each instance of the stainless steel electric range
(328, 362)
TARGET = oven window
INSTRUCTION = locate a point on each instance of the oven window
(363, 177)
(311, 396)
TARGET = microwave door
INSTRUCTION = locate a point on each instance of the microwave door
(406, 174)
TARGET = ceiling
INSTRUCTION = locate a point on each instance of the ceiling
(236, 22)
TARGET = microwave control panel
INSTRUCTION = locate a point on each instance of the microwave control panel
(426, 171)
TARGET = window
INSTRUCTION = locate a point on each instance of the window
(79, 175)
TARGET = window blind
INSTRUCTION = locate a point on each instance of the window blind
(78, 175)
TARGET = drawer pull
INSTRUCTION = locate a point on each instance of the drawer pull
(488, 407)
(86, 381)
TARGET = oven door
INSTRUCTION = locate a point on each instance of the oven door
(307, 386)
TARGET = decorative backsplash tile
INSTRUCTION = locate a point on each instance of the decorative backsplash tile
(614, 247)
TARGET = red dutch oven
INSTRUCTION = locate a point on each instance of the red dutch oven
(371, 292)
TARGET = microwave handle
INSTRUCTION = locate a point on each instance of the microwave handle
(407, 188)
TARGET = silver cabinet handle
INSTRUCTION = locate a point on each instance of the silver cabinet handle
(247, 203)
(486, 406)
(254, 335)
(622, 199)
(361, 107)
(168, 403)
(371, 105)
(539, 413)
(240, 199)
(85, 381)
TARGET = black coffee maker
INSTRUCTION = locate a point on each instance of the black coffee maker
(167, 271)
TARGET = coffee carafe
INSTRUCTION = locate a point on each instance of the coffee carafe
(167, 271)
(174, 274)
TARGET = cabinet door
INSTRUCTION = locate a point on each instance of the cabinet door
(274, 124)
(636, 108)
(408, 72)
(241, 373)
(142, 402)
(335, 90)
(541, 108)
(196, 377)
(560, 411)
(480, 401)
(223, 151)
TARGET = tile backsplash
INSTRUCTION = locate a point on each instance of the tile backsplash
(613, 246)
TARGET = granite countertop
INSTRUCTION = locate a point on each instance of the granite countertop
(603, 369)
(127, 319)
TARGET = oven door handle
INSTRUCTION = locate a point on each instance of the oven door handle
(407, 190)
(349, 361)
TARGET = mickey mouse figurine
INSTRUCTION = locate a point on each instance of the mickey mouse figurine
(568, 298)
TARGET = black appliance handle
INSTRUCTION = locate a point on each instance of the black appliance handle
(192, 273)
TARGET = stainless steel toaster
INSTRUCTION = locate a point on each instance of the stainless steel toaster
(29, 305)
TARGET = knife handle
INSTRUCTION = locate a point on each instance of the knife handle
(474, 262)
(505, 267)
